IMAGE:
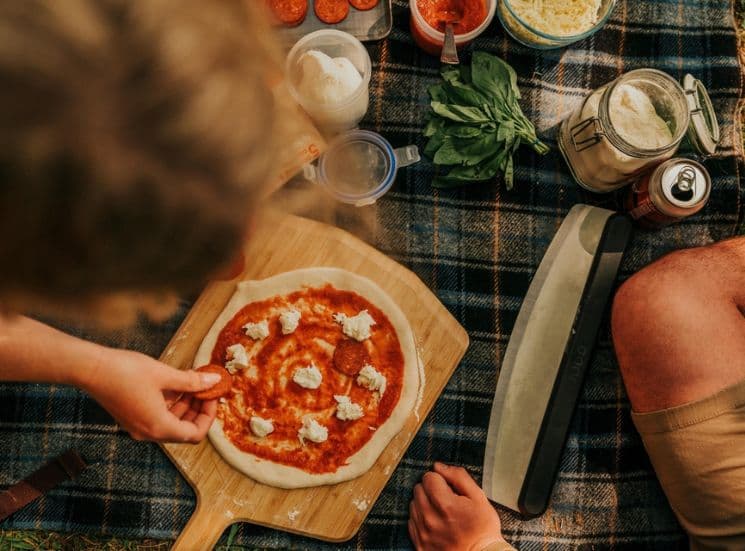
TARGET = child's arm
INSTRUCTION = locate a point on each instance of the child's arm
(141, 393)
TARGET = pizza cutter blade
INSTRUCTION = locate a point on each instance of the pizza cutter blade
(546, 358)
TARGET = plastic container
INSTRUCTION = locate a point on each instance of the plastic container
(431, 40)
(534, 38)
(359, 166)
(348, 113)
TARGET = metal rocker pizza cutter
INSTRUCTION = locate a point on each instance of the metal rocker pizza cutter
(547, 356)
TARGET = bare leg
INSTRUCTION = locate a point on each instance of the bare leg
(679, 334)
(678, 328)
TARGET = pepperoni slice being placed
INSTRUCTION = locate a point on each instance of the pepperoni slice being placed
(364, 5)
(350, 357)
(221, 388)
(332, 11)
(289, 12)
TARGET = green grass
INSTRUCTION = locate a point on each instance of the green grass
(27, 540)
(22, 540)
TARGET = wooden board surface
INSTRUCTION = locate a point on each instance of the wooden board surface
(332, 513)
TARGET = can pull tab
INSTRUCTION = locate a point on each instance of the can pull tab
(406, 156)
(685, 184)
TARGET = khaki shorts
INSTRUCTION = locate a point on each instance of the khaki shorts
(698, 453)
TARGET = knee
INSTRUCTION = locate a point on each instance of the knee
(647, 296)
(652, 303)
(655, 312)
(711, 273)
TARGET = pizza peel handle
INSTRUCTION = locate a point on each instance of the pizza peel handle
(203, 530)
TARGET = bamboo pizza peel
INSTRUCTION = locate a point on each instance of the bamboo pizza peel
(332, 513)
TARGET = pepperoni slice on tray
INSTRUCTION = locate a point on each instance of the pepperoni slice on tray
(364, 5)
(289, 12)
(350, 357)
(332, 11)
(221, 388)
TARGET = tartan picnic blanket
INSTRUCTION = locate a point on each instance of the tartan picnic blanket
(477, 249)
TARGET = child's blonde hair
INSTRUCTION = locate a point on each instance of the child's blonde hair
(133, 135)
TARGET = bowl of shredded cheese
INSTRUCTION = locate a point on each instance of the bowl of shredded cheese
(546, 24)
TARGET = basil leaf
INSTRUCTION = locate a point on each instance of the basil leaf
(465, 95)
(494, 77)
(509, 173)
(479, 173)
(450, 74)
(462, 131)
(434, 143)
(506, 132)
(433, 127)
(459, 113)
(475, 150)
(437, 93)
(447, 154)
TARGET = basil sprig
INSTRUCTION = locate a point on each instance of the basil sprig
(476, 124)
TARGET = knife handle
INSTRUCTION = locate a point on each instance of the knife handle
(544, 463)
(64, 467)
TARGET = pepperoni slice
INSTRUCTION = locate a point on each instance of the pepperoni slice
(364, 5)
(332, 11)
(350, 357)
(289, 12)
(221, 388)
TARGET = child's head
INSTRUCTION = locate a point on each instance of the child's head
(133, 136)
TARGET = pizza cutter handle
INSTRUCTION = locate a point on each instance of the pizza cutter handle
(202, 531)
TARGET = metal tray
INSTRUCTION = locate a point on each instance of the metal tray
(368, 25)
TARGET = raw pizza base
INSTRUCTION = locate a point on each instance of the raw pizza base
(285, 476)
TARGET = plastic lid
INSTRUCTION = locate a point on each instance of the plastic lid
(358, 167)
(703, 131)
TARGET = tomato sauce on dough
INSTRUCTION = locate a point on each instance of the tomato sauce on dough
(266, 388)
(435, 12)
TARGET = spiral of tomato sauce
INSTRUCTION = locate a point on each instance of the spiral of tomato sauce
(266, 388)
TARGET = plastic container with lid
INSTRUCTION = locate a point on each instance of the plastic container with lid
(431, 40)
(359, 166)
(528, 35)
(349, 112)
(602, 160)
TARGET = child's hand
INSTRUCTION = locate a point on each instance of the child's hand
(152, 400)
(450, 512)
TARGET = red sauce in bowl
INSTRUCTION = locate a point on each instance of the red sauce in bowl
(437, 12)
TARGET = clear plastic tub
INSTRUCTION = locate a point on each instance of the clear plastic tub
(534, 38)
(431, 40)
(359, 166)
(347, 113)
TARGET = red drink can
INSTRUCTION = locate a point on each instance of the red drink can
(676, 189)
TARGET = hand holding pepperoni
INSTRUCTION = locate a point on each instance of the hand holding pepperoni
(151, 400)
(221, 388)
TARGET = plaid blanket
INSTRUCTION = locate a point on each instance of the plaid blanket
(477, 248)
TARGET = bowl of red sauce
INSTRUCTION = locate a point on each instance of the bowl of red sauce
(428, 21)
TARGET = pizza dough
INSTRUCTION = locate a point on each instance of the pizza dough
(287, 476)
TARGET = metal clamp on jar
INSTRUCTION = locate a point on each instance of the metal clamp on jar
(628, 126)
